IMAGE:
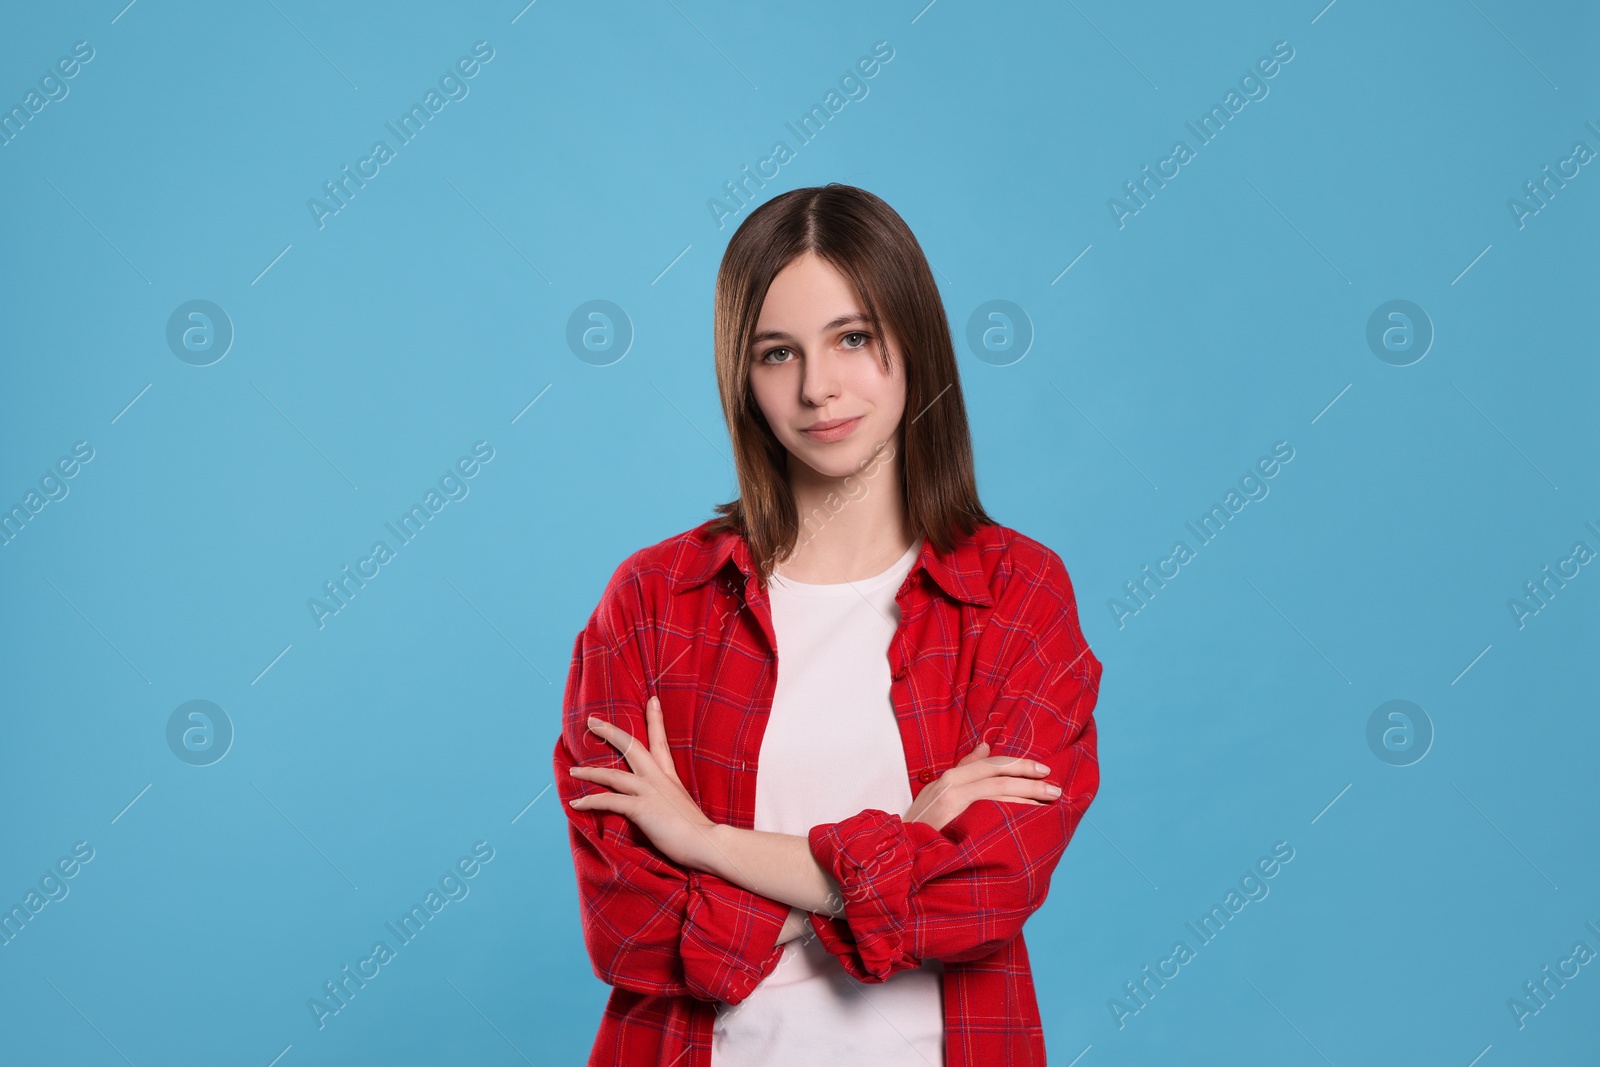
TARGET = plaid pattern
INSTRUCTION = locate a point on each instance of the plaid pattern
(988, 649)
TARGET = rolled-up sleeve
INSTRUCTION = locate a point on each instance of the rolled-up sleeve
(959, 893)
(650, 925)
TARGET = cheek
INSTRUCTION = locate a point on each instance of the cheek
(888, 395)
(869, 381)
(769, 398)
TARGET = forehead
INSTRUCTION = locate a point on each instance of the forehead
(808, 295)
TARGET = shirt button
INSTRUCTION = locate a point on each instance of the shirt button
(925, 775)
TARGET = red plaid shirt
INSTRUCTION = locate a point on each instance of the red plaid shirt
(988, 648)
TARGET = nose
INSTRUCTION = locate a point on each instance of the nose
(819, 381)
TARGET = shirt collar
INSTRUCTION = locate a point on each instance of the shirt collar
(958, 572)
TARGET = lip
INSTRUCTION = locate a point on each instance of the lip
(832, 429)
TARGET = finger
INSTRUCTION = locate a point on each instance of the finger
(989, 766)
(960, 800)
(1001, 786)
(616, 802)
(1028, 787)
(656, 727)
(1015, 765)
(623, 741)
(977, 753)
(611, 777)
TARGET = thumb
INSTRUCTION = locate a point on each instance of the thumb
(976, 754)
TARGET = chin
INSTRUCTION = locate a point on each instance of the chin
(838, 461)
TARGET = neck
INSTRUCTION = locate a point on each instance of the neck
(851, 527)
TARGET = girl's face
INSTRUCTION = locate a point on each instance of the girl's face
(817, 363)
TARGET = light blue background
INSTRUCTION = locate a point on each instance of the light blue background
(430, 312)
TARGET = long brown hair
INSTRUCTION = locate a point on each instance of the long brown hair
(866, 241)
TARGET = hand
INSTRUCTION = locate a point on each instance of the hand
(651, 796)
(980, 775)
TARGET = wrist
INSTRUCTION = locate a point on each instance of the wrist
(714, 845)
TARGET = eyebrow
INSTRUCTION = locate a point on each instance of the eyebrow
(842, 320)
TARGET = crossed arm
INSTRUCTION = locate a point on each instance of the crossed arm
(674, 904)
(650, 796)
(778, 866)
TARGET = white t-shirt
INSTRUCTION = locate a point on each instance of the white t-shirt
(832, 748)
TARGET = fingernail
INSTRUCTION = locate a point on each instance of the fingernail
(1053, 790)
(1041, 768)
(574, 801)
